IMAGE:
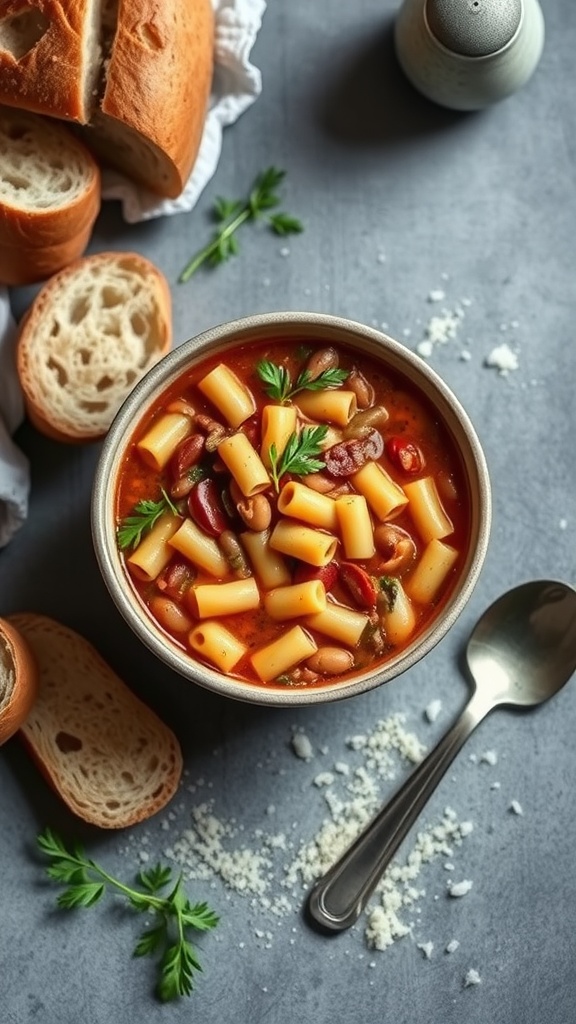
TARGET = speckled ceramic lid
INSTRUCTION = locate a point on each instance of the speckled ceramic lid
(473, 28)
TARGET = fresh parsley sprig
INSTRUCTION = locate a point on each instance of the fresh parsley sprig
(298, 455)
(278, 384)
(86, 883)
(230, 214)
(144, 514)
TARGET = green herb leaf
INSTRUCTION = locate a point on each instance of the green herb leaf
(232, 213)
(278, 385)
(144, 515)
(298, 455)
(86, 882)
(389, 587)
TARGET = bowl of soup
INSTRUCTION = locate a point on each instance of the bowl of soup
(291, 508)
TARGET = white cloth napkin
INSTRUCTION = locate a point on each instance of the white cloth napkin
(236, 85)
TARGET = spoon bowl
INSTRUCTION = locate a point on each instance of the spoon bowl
(521, 652)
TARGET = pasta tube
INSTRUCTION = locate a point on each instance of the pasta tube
(244, 463)
(312, 546)
(301, 502)
(328, 406)
(217, 644)
(383, 495)
(435, 563)
(291, 648)
(341, 623)
(278, 423)
(161, 441)
(268, 565)
(355, 526)
(200, 549)
(230, 396)
(212, 599)
(154, 552)
(298, 599)
(398, 616)
(426, 509)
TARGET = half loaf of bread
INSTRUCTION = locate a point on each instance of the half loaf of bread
(107, 754)
(137, 72)
(91, 333)
(49, 197)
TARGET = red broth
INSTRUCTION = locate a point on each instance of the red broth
(409, 444)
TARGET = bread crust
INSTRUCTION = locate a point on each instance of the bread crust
(158, 82)
(48, 78)
(35, 347)
(17, 695)
(106, 753)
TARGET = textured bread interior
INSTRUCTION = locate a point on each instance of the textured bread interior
(43, 167)
(108, 755)
(100, 330)
(7, 674)
(93, 53)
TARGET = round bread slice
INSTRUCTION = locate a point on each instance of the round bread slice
(49, 197)
(18, 680)
(108, 755)
(93, 331)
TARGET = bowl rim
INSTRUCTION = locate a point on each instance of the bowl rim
(232, 333)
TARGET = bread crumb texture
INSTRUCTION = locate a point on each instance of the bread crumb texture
(107, 754)
(93, 331)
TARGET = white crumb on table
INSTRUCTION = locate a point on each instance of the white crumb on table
(503, 359)
(302, 746)
(452, 946)
(489, 757)
(516, 807)
(432, 710)
(459, 888)
(472, 977)
(427, 949)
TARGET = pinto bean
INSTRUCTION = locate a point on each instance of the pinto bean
(215, 431)
(182, 406)
(397, 547)
(175, 579)
(363, 390)
(347, 457)
(366, 420)
(169, 614)
(330, 661)
(256, 512)
(320, 361)
(234, 552)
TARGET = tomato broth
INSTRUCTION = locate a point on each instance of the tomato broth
(366, 542)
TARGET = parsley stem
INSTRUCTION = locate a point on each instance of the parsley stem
(192, 266)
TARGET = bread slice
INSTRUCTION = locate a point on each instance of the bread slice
(18, 680)
(107, 754)
(137, 72)
(91, 333)
(49, 197)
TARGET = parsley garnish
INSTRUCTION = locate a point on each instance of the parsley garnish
(230, 214)
(86, 882)
(278, 384)
(144, 514)
(298, 455)
(389, 587)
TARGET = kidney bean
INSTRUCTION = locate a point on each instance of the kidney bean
(330, 661)
(359, 583)
(175, 579)
(204, 506)
(187, 454)
(348, 457)
(327, 574)
(404, 455)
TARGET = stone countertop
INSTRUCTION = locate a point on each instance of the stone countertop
(411, 212)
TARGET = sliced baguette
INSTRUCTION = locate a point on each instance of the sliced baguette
(49, 197)
(91, 333)
(18, 680)
(133, 75)
(107, 754)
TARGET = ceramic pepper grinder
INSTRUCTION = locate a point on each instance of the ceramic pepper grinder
(468, 54)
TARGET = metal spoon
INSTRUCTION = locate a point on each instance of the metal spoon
(520, 653)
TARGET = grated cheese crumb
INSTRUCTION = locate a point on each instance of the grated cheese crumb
(452, 946)
(472, 977)
(503, 359)
(433, 710)
(459, 888)
(516, 808)
(302, 747)
(427, 949)
(489, 757)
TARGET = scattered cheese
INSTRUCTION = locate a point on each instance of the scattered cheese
(472, 977)
(433, 710)
(459, 888)
(302, 747)
(489, 757)
(427, 948)
(516, 808)
(503, 359)
(452, 946)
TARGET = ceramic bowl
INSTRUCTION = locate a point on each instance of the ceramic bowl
(318, 330)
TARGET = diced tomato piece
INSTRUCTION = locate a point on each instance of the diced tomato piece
(404, 455)
(327, 574)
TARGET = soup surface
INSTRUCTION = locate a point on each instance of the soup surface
(290, 514)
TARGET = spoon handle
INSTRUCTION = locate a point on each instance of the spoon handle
(339, 897)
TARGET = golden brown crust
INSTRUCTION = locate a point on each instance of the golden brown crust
(21, 265)
(47, 79)
(159, 77)
(105, 752)
(15, 706)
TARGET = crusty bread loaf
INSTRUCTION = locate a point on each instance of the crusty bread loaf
(137, 73)
(49, 197)
(107, 754)
(18, 680)
(91, 333)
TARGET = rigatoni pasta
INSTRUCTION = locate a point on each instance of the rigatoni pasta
(357, 550)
